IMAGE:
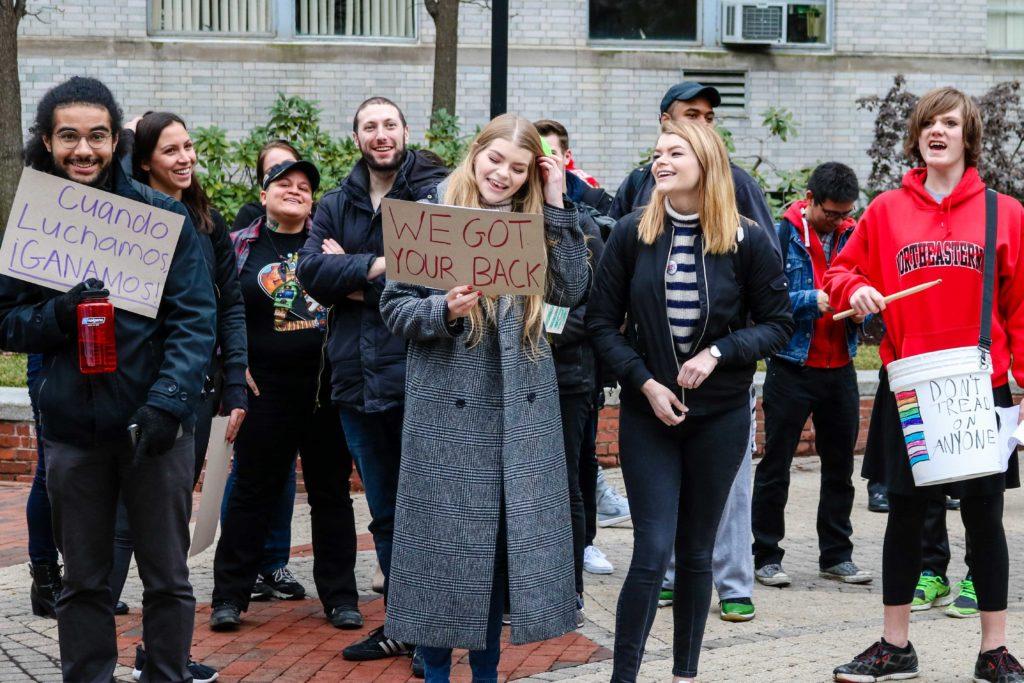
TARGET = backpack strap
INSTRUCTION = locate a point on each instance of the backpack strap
(989, 272)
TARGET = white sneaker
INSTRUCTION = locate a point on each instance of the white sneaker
(595, 562)
(612, 507)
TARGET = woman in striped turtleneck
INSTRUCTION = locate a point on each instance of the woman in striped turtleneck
(706, 297)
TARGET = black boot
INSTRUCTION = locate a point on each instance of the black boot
(46, 585)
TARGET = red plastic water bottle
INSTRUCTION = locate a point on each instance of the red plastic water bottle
(97, 348)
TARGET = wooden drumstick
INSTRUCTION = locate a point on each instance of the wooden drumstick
(892, 297)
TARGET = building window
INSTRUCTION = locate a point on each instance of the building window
(643, 20)
(370, 18)
(774, 22)
(234, 17)
(1006, 25)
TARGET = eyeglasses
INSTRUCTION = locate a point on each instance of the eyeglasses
(836, 215)
(69, 139)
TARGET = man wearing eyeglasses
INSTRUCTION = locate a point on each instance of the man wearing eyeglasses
(813, 376)
(90, 456)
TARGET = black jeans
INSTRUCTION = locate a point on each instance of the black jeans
(588, 475)
(677, 479)
(575, 411)
(901, 552)
(830, 397)
(284, 419)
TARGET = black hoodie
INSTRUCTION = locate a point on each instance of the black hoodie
(367, 361)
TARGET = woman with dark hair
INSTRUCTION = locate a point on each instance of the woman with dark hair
(271, 154)
(706, 297)
(936, 226)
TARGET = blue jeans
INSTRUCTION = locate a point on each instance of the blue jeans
(375, 440)
(484, 663)
(41, 548)
(278, 545)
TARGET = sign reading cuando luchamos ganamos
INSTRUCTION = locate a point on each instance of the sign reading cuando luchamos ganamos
(441, 247)
(61, 232)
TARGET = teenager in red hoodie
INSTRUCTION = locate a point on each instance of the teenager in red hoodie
(934, 227)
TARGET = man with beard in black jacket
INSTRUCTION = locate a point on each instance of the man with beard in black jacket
(342, 265)
(90, 457)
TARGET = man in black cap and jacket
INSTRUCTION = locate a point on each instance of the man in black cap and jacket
(342, 265)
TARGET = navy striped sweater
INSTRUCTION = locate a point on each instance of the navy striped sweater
(681, 294)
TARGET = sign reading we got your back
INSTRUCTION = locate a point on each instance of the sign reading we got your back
(442, 247)
(61, 233)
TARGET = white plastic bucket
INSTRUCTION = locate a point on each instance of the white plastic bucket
(947, 414)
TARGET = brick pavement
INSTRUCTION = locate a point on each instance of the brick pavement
(800, 633)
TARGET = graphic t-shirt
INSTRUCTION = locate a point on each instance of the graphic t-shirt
(285, 325)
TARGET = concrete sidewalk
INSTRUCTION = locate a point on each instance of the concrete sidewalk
(800, 632)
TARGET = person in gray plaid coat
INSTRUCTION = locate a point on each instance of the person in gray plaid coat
(483, 501)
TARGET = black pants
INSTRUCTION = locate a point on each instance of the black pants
(282, 420)
(901, 553)
(575, 411)
(677, 479)
(831, 398)
(588, 474)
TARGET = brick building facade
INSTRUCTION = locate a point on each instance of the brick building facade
(562, 65)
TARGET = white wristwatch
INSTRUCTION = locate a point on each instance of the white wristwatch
(715, 353)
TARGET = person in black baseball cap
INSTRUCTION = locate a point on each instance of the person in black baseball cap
(305, 167)
(694, 97)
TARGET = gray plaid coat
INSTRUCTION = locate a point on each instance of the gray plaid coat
(482, 432)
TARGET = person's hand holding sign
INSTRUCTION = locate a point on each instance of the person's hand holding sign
(460, 301)
(551, 176)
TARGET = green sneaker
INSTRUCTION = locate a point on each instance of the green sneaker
(737, 609)
(931, 591)
(665, 597)
(966, 604)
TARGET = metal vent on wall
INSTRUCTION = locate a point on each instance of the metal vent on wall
(731, 85)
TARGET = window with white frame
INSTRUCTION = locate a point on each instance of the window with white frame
(234, 17)
(372, 18)
(643, 20)
(285, 18)
(1006, 25)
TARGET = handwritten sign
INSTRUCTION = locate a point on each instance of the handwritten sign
(60, 233)
(965, 406)
(444, 246)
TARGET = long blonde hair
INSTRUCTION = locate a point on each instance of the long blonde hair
(462, 191)
(719, 218)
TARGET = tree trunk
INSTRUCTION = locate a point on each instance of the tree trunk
(10, 106)
(446, 53)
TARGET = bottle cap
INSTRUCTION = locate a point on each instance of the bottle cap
(95, 294)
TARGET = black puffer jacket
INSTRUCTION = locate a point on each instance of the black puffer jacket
(571, 350)
(367, 361)
(744, 310)
(161, 362)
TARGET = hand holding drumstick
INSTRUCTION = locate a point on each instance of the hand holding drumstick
(867, 299)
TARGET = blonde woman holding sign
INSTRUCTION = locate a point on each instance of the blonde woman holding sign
(483, 505)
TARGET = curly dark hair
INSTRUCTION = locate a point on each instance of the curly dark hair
(76, 90)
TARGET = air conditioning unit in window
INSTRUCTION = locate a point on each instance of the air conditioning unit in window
(753, 23)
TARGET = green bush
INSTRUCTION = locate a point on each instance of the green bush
(228, 168)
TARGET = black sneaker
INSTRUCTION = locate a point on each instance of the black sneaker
(952, 503)
(998, 666)
(200, 672)
(878, 502)
(376, 645)
(225, 616)
(120, 608)
(880, 662)
(260, 590)
(284, 586)
(346, 618)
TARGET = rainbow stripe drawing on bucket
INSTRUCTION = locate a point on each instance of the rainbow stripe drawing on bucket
(913, 426)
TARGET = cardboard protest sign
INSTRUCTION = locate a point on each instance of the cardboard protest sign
(60, 233)
(441, 247)
(218, 459)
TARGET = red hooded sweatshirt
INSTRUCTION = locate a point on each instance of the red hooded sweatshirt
(828, 347)
(906, 238)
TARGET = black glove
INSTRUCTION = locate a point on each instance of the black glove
(65, 306)
(233, 396)
(157, 430)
